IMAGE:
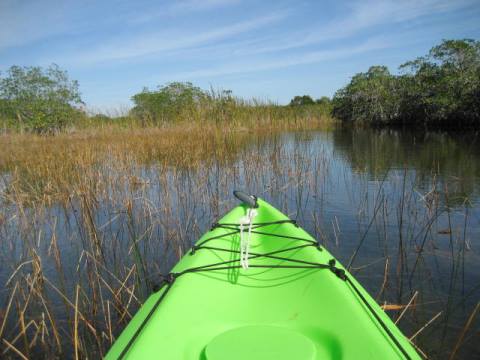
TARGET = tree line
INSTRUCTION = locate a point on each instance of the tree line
(441, 89)
(46, 100)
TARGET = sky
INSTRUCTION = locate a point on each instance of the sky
(269, 50)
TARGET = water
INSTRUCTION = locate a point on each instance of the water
(402, 209)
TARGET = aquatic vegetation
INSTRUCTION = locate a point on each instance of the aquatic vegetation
(89, 221)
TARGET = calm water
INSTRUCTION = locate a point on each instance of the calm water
(403, 210)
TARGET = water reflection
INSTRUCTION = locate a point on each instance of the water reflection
(452, 159)
(402, 209)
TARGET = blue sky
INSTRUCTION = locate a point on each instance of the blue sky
(264, 49)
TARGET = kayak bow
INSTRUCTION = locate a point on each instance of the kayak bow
(257, 286)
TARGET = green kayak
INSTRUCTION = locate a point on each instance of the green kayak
(257, 286)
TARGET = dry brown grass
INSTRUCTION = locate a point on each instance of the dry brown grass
(56, 167)
(89, 218)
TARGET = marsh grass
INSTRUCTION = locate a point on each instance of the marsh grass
(51, 166)
(69, 200)
(90, 219)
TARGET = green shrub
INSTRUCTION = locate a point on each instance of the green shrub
(301, 100)
(441, 89)
(40, 100)
(170, 102)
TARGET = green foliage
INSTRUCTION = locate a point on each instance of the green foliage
(100, 118)
(302, 100)
(170, 102)
(324, 101)
(322, 105)
(38, 99)
(184, 102)
(325, 105)
(370, 97)
(441, 89)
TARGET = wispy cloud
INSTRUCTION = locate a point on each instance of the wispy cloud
(361, 16)
(198, 5)
(21, 22)
(284, 62)
(114, 46)
(180, 7)
(145, 44)
(369, 13)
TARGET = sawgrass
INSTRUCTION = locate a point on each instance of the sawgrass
(91, 217)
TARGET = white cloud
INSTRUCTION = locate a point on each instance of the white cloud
(179, 8)
(145, 44)
(22, 23)
(362, 15)
(266, 65)
(196, 5)
(25, 22)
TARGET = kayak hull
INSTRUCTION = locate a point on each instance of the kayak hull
(293, 297)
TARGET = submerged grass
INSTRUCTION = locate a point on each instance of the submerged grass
(90, 218)
(70, 201)
(53, 167)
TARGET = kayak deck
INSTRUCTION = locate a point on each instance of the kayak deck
(293, 302)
